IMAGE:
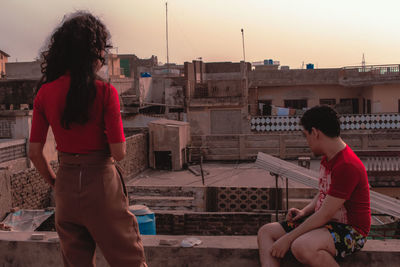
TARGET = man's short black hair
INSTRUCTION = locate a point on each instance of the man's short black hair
(322, 118)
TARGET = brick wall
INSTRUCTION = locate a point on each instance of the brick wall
(210, 223)
(12, 152)
(29, 190)
(136, 159)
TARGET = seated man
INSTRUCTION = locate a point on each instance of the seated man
(338, 219)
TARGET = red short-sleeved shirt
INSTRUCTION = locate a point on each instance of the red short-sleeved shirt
(344, 176)
(103, 127)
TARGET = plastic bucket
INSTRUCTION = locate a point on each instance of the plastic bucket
(145, 218)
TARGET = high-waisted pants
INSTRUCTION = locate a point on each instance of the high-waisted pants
(92, 208)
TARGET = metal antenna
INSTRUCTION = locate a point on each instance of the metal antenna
(166, 29)
(363, 62)
(244, 54)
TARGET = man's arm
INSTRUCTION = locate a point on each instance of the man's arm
(295, 214)
(328, 209)
(40, 162)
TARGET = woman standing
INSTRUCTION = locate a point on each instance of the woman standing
(84, 114)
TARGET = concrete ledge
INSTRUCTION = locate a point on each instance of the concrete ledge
(17, 250)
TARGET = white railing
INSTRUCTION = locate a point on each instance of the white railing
(393, 69)
(382, 164)
(347, 122)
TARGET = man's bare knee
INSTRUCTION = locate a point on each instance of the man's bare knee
(270, 230)
(301, 251)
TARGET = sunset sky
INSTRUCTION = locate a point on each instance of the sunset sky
(327, 33)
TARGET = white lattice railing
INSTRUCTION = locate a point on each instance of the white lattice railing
(381, 164)
(348, 122)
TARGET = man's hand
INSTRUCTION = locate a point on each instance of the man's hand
(294, 214)
(281, 246)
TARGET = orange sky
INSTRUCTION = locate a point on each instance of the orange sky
(326, 33)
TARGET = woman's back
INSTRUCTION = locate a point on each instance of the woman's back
(104, 125)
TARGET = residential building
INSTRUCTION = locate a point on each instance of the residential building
(3, 60)
(216, 97)
(355, 90)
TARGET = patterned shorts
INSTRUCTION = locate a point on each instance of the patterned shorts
(347, 240)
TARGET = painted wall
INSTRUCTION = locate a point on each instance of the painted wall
(174, 96)
(199, 120)
(312, 93)
(24, 70)
(3, 61)
(168, 135)
(385, 98)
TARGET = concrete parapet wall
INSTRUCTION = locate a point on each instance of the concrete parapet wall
(210, 223)
(5, 193)
(221, 251)
(285, 145)
(136, 159)
(14, 149)
(294, 77)
(188, 198)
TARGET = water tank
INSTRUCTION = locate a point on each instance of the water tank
(310, 66)
(145, 218)
(268, 62)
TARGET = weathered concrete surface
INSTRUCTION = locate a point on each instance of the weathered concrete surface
(5, 193)
(222, 251)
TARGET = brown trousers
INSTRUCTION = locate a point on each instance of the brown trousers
(91, 208)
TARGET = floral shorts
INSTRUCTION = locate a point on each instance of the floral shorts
(347, 240)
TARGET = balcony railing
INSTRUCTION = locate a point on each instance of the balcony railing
(347, 122)
(377, 69)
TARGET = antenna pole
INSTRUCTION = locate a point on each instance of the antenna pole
(244, 54)
(166, 29)
(363, 63)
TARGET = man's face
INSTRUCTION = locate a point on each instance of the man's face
(312, 141)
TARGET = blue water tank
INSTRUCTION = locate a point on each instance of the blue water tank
(145, 74)
(145, 218)
(310, 66)
(268, 62)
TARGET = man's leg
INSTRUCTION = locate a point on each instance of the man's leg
(315, 248)
(267, 235)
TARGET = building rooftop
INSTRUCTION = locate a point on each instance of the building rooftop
(4, 53)
(216, 174)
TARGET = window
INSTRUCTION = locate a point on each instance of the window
(369, 106)
(364, 105)
(296, 103)
(264, 107)
(399, 106)
(200, 92)
(327, 101)
(351, 103)
(175, 110)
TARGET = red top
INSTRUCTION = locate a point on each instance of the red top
(344, 176)
(103, 127)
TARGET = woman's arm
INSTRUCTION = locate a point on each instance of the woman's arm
(40, 162)
(118, 150)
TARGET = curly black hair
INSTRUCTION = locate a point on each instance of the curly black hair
(76, 47)
(323, 118)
